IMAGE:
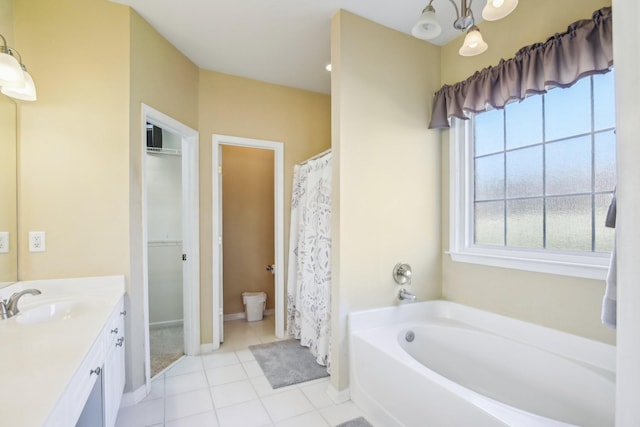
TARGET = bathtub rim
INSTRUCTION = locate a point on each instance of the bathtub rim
(591, 352)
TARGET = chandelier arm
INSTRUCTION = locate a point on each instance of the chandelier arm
(457, 10)
(3, 46)
(11, 51)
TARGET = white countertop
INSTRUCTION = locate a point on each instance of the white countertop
(37, 361)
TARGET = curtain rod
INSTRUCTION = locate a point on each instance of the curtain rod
(317, 156)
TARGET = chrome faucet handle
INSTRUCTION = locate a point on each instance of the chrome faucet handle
(402, 273)
(12, 304)
(3, 309)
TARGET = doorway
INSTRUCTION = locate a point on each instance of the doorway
(170, 240)
(163, 177)
(232, 148)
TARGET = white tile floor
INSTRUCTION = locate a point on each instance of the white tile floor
(227, 388)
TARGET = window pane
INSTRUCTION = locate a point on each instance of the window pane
(604, 235)
(524, 223)
(568, 111)
(489, 173)
(524, 172)
(604, 101)
(605, 161)
(524, 122)
(489, 223)
(569, 223)
(568, 166)
(489, 132)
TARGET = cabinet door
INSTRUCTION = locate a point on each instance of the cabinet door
(114, 376)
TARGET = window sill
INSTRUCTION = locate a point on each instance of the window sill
(589, 267)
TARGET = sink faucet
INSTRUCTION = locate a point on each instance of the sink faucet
(9, 308)
(404, 295)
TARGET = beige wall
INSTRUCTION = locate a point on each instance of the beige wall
(565, 303)
(8, 218)
(73, 142)
(8, 208)
(80, 149)
(386, 171)
(247, 218)
(237, 106)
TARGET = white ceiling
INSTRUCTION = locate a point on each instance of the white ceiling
(285, 42)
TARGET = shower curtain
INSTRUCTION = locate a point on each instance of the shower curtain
(309, 273)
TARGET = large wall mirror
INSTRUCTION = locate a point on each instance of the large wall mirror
(8, 193)
(8, 169)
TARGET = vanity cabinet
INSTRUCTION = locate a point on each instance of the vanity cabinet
(114, 375)
(92, 397)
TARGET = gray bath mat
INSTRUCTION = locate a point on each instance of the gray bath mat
(356, 422)
(287, 362)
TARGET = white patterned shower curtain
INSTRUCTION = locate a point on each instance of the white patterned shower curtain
(309, 275)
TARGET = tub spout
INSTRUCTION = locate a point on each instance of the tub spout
(404, 295)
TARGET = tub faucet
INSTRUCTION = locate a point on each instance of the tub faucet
(404, 295)
(9, 308)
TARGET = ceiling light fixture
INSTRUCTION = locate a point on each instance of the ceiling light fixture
(15, 81)
(428, 28)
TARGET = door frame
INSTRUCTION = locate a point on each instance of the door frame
(190, 232)
(278, 159)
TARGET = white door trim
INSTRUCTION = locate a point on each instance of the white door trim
(190, 229)
(278, 149)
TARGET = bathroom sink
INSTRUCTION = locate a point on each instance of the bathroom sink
(47, 312)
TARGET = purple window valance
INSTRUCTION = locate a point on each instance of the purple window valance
(585, 48)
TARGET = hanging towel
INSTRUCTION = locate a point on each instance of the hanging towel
(609, 304)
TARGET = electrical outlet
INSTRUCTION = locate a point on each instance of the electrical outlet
(36, 241)
(4, 242)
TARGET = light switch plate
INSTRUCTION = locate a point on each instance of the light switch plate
(4, 242)
(36, 241)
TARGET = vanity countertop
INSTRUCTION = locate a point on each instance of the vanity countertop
(39, 358)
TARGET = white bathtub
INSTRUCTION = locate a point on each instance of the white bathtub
(467, 367)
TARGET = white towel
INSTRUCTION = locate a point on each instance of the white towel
(609, 305)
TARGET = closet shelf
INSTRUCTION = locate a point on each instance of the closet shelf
(169, 151)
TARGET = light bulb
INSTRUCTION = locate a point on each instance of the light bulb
(498, 9)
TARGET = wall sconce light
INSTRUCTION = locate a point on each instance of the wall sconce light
(15, 80)
(428, 28)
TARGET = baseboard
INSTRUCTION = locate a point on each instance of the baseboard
(165, 324)
(131, 398)
(243, 315)
(338, 396)
(234, 316)
(208, 348)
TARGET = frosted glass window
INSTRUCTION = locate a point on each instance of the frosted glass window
(524, 122)
(489, 222)
(604, 235)
(489, 180)
(544, 169)
(524, 172)
(568, 111)
(604, 101)
(605, 161)
(524, 223)
(568, 166)
(489, 133)
(569, 223)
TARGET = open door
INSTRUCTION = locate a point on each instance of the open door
(278, 231)
(190, 253)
